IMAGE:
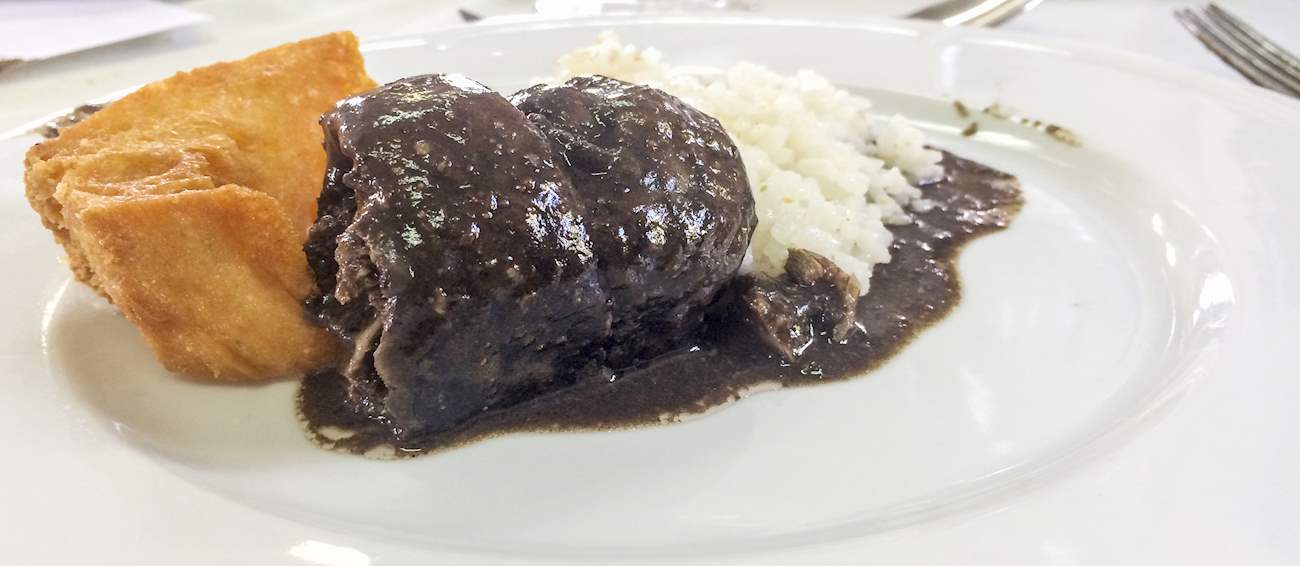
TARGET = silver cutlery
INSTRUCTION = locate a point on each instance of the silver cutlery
(1244, 48)
(975, 13)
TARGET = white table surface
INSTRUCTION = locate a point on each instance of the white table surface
(239, 27)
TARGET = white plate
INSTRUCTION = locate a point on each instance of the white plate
(1117, 386)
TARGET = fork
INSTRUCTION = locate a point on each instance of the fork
(1242, 47)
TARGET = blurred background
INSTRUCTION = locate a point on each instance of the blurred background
(57, 54)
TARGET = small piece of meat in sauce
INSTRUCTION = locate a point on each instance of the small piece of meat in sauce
(813, 299)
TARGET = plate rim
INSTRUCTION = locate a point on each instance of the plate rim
(1167, 69)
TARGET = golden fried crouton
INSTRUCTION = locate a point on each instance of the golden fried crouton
(186, 204)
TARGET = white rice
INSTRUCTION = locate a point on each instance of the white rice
(827, 176)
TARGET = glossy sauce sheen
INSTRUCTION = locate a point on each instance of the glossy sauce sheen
(916, 289)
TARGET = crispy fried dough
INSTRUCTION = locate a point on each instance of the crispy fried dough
(186, 204)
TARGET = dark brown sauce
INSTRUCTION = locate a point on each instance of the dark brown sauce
(911, 292)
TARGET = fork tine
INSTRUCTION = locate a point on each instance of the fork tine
(1250, 36)
(1281, 78)
(1200, 30)
(1265, 53)
(1231, 53)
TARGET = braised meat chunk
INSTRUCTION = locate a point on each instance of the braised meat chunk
(670, 211)
(451, 253)
(476, 257)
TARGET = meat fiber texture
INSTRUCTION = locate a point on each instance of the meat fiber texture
(186, 204)
(477, 254)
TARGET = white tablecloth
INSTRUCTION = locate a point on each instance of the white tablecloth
(239, 27)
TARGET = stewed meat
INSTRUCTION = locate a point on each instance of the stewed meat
(476, 256)
(669, 207)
